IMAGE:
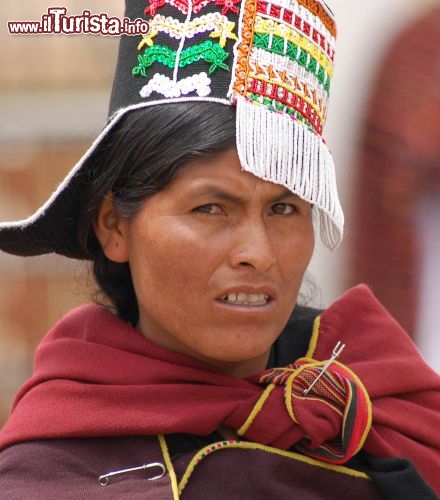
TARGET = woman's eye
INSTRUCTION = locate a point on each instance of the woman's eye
(211, 209)
(283, 209)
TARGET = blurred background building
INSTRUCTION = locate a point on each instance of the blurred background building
(54, 92)
(395, 215)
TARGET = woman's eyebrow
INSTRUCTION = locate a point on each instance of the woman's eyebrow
(223, 194)
(285, 193)
(218, 194)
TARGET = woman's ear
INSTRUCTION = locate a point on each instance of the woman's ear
(111, 231)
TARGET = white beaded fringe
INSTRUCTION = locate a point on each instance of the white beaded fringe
(279, 149)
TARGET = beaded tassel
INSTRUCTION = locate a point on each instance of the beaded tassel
(279, 149)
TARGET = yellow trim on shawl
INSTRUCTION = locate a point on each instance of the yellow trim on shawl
(246, 445)
(169, 466)
(255, 410)
(314, 338)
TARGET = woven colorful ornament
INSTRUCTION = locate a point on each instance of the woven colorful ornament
(335, 414)
(273, 60)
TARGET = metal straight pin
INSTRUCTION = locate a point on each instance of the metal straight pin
(339, 347)
(104, 479)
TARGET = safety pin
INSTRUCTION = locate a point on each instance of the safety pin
(339, 347)
(104, 479)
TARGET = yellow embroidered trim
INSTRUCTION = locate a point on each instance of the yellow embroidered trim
(255, 410)
(199, 456)
(147, 39)
(169, 466)
(314, 338)
(291, 68)
(288, 394)
(271, 27)
(223, 33)
(220, 25)
(275, 451)
(320, 112)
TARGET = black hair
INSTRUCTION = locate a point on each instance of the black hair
(140, 157)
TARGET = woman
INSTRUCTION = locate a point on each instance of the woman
(197, 206)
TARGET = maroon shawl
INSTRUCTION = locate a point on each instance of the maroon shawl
(97, 376)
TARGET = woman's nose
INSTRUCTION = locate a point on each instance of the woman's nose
(253, 246)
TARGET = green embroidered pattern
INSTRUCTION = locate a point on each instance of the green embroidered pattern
(208, 51)
(274, 105)
(276, 44)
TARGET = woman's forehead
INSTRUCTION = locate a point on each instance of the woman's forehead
(221, 175)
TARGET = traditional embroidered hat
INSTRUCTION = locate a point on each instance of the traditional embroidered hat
(273, 60)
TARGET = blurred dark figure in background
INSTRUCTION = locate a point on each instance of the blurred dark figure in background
(399, 172)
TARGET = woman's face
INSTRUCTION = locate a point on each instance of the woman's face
(217, 260)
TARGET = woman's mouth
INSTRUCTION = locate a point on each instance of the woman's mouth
(246, 299)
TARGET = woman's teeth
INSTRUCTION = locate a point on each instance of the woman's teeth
(248, 299)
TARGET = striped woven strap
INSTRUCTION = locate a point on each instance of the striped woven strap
(335, 413)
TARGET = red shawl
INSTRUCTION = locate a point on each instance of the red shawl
(97, 376)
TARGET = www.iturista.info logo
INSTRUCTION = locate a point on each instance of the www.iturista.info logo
(57, 22)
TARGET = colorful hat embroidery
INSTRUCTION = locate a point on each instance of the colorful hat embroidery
(274, 61)
(182, 33)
